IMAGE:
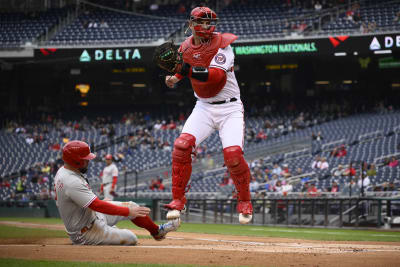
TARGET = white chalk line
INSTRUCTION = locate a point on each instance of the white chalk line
(320, 232)
(202, 247)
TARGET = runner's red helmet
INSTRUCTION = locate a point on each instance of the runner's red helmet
(76, 152)
(200, 15)
(109, 156)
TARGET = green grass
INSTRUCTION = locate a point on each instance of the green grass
(33, 220)
(18, 232)
(258, 231)
(41, 263)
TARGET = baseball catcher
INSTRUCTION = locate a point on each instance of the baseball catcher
(207, 59)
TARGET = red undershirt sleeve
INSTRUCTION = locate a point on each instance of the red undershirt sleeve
(114, 182)
(108, 208)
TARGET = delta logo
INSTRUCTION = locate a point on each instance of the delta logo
(388, 42)
(337, 40)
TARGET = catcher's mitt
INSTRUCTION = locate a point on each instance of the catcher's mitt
(167, 57)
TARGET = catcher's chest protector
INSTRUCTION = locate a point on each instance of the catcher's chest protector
(201, 56)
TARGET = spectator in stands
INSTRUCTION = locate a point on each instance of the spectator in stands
(350, 171)
(4, 183)
(339, 171)
(261, 136)
(393, 162)
(363, 27)
(286, 188)
(29, 139)
(363, 182)
(21, 185)
(397, 17)
(285, 171)
(171, 125)
(299, 171)
(349, 15)
(390, 187)
(181, 9)
(324, 164)
(371, 171)
(357, 16)
(93, 24)
(312, 190)
(302, 27)
(254, 184)
(316, 163)
(103, 24)
(154, 7)
(276, 170)
(305, 187)
(339, 151)
(334, 188)
(351, 188)
(250, 135)
(278, 187)
(372, 26)
(317, 137)
(318, 6)
(286, 29)
(210, 162)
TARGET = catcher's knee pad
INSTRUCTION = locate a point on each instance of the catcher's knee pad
(183, 148)
(234, 160)
(182, 164)
(239, 171)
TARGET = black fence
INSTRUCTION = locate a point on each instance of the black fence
(302, 212)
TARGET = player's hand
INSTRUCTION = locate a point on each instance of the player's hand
(170, 81)
(138, 211)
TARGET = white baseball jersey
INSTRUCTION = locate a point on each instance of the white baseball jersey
(109, 172)
(224, 59)
(85, 226)
(73, 196)
(227, 118)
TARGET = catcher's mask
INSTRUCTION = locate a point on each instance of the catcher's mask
(75, 153)
(203, 20)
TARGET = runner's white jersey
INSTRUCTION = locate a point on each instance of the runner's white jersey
(73, 196)
(224, 59)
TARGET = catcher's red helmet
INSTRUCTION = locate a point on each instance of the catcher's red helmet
(109, 156)
(76, 152)
(200, 15)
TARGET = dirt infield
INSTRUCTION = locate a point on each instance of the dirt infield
(208, 250)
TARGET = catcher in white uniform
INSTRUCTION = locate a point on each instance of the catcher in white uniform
(89, 220)
(109, 178)
(207, 59)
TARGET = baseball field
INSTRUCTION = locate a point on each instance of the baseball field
(43, 242)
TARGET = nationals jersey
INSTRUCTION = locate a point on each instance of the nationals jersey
(109, 172)
(73, 196)
(224, 59)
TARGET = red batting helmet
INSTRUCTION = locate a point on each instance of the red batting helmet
(109, 156)
(200, 15)
(76, 152)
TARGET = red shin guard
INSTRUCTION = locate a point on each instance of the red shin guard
(240, 173)
(181, 169)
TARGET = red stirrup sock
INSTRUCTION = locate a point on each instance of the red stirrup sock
(146, 223)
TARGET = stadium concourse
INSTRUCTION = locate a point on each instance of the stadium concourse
(305, 136)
